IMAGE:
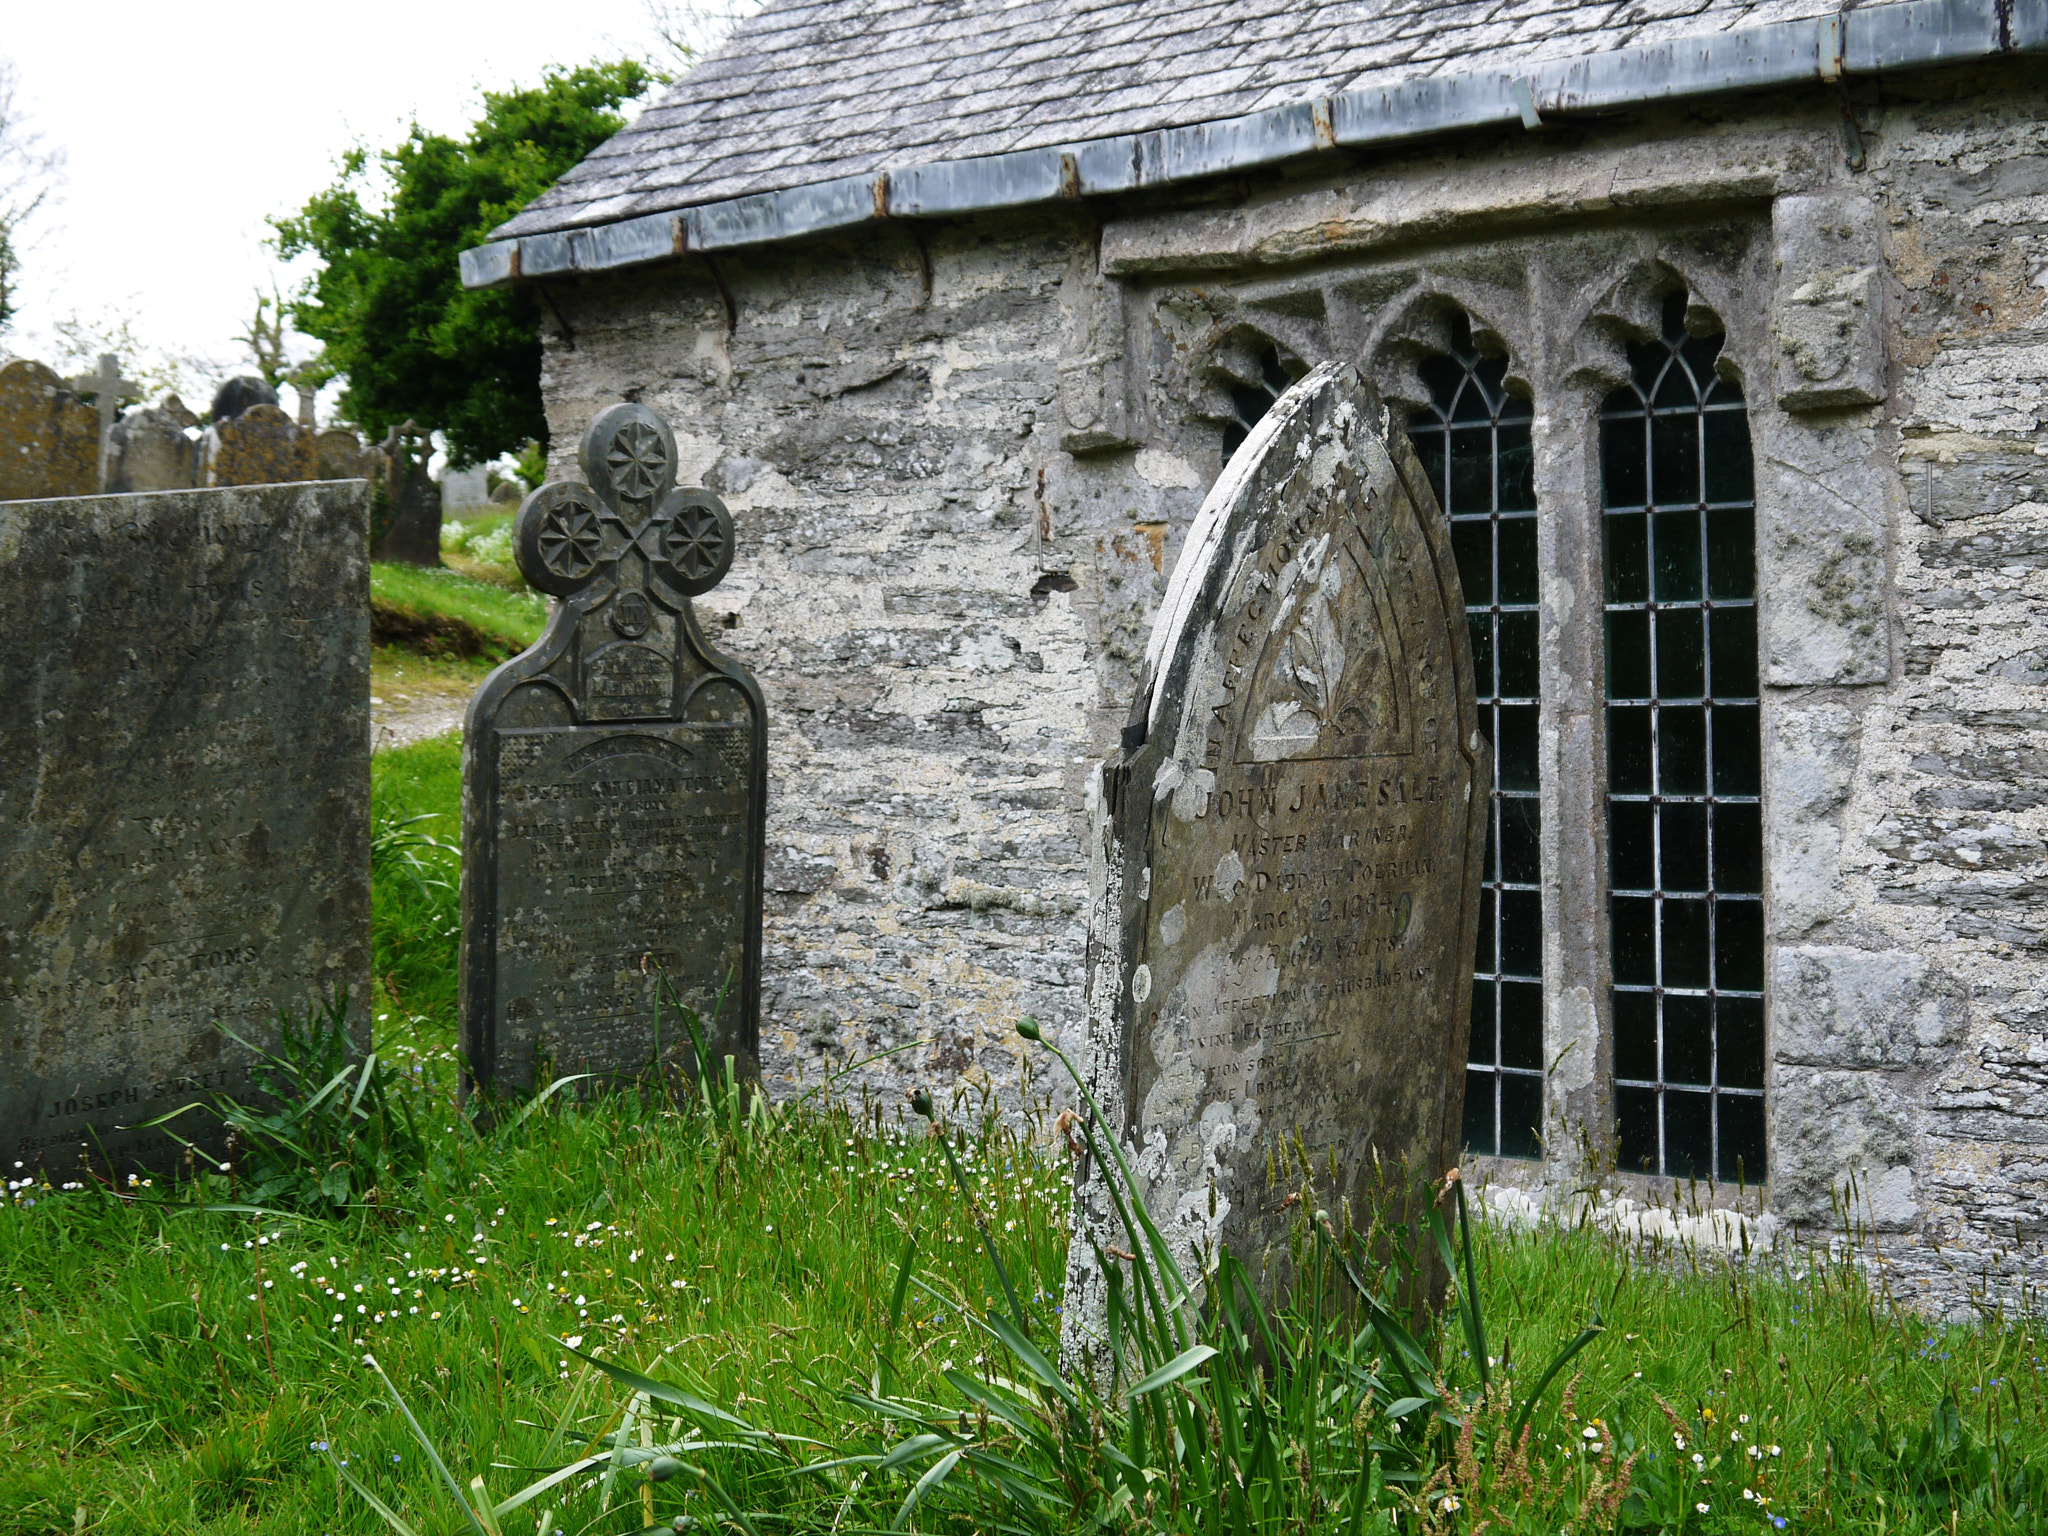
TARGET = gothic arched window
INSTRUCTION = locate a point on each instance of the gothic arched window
(1684, 816)
(1474, 442)
(1251, 399)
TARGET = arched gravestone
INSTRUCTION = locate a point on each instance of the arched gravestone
(49, 438)
(1288, 849)
(614, 787)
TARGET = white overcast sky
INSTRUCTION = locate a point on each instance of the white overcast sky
(185, 126)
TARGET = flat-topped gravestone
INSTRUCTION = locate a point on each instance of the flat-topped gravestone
(184, 801)
(1288, 849)
(614, 789)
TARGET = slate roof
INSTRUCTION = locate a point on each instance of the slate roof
(811, 90)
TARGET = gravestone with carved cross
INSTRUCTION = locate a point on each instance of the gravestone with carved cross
(614, 791)
(108, 390)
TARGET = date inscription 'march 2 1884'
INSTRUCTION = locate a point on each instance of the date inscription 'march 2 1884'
(614, 788)
(1281, 945)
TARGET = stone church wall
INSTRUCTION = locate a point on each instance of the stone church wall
(880, 419)
(961, 457)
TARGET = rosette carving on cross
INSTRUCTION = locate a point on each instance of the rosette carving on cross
(626, 526)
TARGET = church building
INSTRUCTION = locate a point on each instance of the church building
(1721, 327)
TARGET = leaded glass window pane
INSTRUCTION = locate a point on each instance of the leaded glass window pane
(1684, 821)
(1474, 441)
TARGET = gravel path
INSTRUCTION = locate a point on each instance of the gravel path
(405, 719)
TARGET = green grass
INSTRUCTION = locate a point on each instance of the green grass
(169, 1370)
(416, 922)
(517, 617)
(145, 1385)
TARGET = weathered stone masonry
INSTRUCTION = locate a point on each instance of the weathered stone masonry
(918, 588)
(961, 454)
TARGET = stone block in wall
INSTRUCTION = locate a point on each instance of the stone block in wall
(1953, 480)
(1826, 495)
(1813, 750)
(1829, 322)
(1835, 1006)
(1095, 393)
(1852, 1151)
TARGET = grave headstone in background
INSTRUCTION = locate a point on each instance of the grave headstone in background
(261, 446)
(178, 411)
(411, 518)
(614, 787)
(49, 438)
(184, 801)
(149, 451)
(1288, 849)
(338, 454)
(465, 490)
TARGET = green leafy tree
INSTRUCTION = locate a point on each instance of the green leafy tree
(388, 302)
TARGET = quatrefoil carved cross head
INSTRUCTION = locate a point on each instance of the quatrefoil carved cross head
(627, 516)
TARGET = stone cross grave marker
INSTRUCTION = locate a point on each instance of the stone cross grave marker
(411, 531)
(1287, 850)
(109, 390)
(184, 802)
(614, 788)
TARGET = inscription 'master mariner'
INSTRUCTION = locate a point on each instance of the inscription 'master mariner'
(614, 788)
(1286, 851)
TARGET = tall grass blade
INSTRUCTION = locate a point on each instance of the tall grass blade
(390, 1515)
(427, 1445)
(1563, 1358)
(1179, 1366)
(885, 1371)
(933, 1477)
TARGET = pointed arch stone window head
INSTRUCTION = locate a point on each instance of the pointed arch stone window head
(1251, 395)
(1684, 776)
(1473, 439)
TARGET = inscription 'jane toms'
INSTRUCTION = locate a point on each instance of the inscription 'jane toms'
(1288, 845)
(614, 786)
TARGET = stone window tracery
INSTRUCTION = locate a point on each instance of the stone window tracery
(1685, 840)
(1474, 441)
(1250, 399)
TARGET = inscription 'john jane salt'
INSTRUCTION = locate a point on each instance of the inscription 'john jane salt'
(1287, 847)
(614, 788)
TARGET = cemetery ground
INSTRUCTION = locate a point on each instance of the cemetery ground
(175, 1369)
(437, 633)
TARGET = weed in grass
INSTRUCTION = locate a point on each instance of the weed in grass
(331, 1129)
